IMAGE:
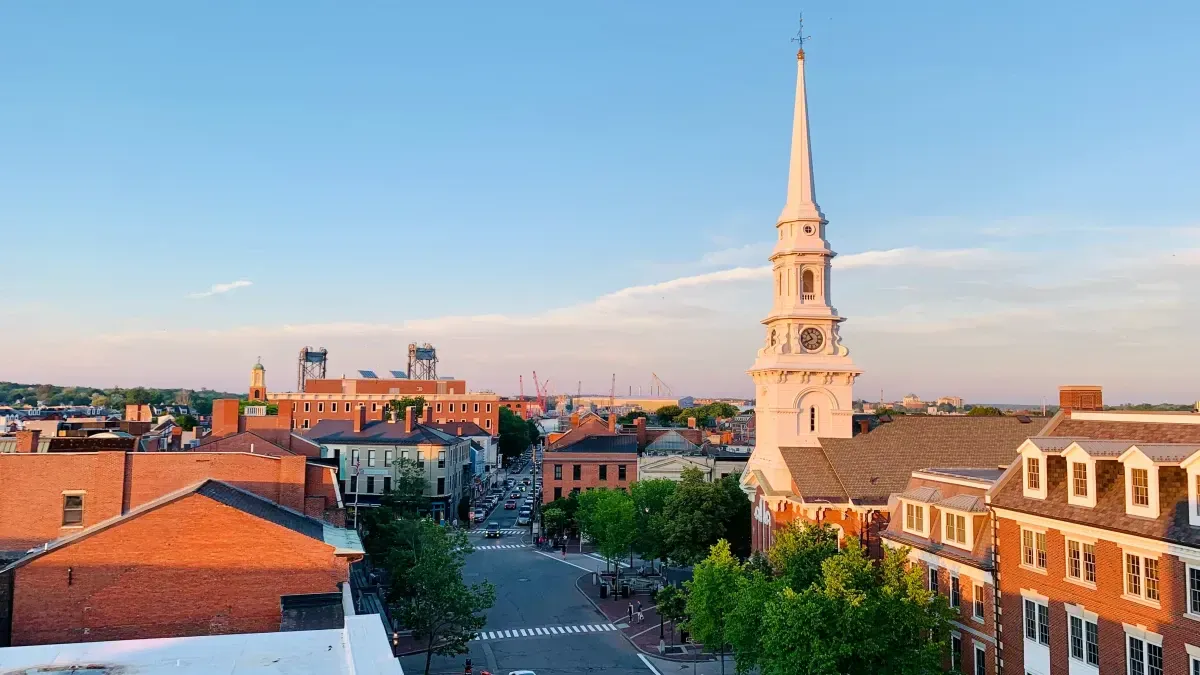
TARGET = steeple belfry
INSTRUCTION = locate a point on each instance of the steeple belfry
(802, 193)
(803, 375)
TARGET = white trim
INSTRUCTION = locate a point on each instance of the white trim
(1079, 611)
(1154, 418)
(1193, 477)
(926, 517)
(1033, 522)
(1028, 452)
(1142, 633)
(1187, 590)
(1081, 580)
(974, 632)
(965, 482)
(1074, 454)
(1030, 594)
(933, 560)
(968, 521)
(1193, 651)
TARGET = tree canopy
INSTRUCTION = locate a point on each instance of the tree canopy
(115, 398)
(514, 434)
(985, 411)
(401, 405)
(694, 517)
(607, 518)
(712, 598)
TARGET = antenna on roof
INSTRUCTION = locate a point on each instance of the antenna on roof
(800, 37)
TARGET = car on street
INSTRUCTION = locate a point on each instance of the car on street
(510, 504)
(523, 520)
(493, 530)
(480, 514)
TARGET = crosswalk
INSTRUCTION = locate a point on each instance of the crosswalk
(508, 532)
(546, 630)
(493, 547)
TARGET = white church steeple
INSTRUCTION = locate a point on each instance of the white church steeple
(803, 376)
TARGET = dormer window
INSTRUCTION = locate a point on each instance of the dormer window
(1081, 476)
(1140, 481)
(1033, 482)
(956, 529)
(1033, 474)
(914, 519)
(1079, 479)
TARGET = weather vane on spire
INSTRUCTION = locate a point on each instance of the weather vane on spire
(800, 37)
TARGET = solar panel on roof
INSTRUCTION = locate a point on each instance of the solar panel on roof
(399, 374)
(370, 374)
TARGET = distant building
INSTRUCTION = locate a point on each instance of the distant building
(955, 401)
(715, 464)
(590, 455)
(743, 428)
(913, 402)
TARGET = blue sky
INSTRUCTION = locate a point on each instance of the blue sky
(565, 187)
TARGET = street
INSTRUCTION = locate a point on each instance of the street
(540, 621)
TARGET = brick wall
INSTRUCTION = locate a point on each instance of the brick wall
(1105, 600)
(32, 499)
(336, 410)
(589, 468)
(193, 567)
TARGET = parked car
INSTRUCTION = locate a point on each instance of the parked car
(510, 505)
(480, 514)
(493, 530)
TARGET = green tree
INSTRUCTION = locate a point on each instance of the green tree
(754, 590)
(442, 611)
(672, 606)
(514, 434)
(650, 503)
(555, 521)
(629, 417)
(569, 506)
(713, 597)
(272, 408)
(693, 518)
(799, 551)
(400, 406)
(860, 618)
(186, 422)
(737, 516)
(607, 518)
(407, 498)
(985, 411)
(667, 413)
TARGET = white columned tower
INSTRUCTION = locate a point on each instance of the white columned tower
(803, 376)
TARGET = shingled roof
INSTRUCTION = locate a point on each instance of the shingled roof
(869, 467)
(1065, 425)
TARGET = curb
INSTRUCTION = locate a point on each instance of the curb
(628, 639)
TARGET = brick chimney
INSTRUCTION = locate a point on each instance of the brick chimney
(691, 422)
(360, 418)
(427, 414)
(410, 418)
(612, 422)
(574, 420)
(459, 432)
(1081, 397)
(640, 424)
(27, 440)
(225, 417)
(864, 426)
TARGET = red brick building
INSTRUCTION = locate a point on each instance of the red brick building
(1098, 522)
(207, 559)
(47, 496)
(943, 520)
(592, 455)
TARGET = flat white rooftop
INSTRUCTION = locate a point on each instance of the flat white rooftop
(362, 647)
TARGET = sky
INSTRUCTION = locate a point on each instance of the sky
(591, 188)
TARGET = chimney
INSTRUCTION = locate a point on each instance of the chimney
(574, 420)
(864, 426)
(360, 418)
(691, 422)
(27, 440)
(459, 432)
(612, 422)
(1081, 397)
(410, 414)
(427, 414)
(640, 424)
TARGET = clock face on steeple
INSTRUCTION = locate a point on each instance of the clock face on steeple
(812, 339)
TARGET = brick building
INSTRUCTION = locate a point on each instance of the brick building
(1098, 522)
(48, 496)
(592, 455)
(943, 520)
(208, 559)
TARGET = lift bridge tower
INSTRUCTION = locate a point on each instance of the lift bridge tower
(312, 366)
(422, 362)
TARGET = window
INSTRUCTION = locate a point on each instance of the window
(955, 653)
(1037, 622)
(354, 483)
(603, 472)
(1079, 479)
(558, 493)
(914, 517)
(487, 407)
(1033, 549)
(956, 529)
(321, 407)
(933, 580)
(576, 471)
(387, 484)
(441, 486)
(621, 475)
(354, 457)
(812, 418)
(1081, 561)
(558, 472)
(387, 457)
(439, 407)
(980, 660)
(476, 407)
(305, 425)
(441, 459)
(306, 404)
(1033, 475)
(1084, 640)
(370, 484)
(955, 593)
(72, 515)
(977, 601)
(1193, 581)
(371, 457)
(1140, 479)
(487, 424)
(451, 407)
(1141, 577)
(1091, 639)
(1145, 658)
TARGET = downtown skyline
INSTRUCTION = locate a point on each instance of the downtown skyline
(1002, 226)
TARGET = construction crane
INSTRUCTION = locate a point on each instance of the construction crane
(541, 396)
(657, 382)
(612, 394)
(521, 385)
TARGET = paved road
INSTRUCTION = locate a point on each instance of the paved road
(540, 621)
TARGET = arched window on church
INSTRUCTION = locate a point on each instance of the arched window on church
(812, 419)
(808, 282)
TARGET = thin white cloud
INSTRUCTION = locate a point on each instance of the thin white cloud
(913, 256)
(218, 289)
(745, 254)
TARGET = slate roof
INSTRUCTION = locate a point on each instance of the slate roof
(1146, 432)
(468, 428)
(344, 541)
(615, 443)
(591, 426)
(869, 467)
(377, 433)
(988, 475)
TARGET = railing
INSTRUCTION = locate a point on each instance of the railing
(809, 296)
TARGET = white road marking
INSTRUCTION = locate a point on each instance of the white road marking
(566, 562)
(547, 630)
(648, 664)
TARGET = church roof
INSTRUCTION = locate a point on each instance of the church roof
(869, 467)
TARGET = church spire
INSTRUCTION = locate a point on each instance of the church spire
(801, 195)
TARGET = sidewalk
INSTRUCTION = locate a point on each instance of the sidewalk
(645, 635)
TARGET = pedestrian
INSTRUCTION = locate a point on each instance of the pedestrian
(631, 612)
